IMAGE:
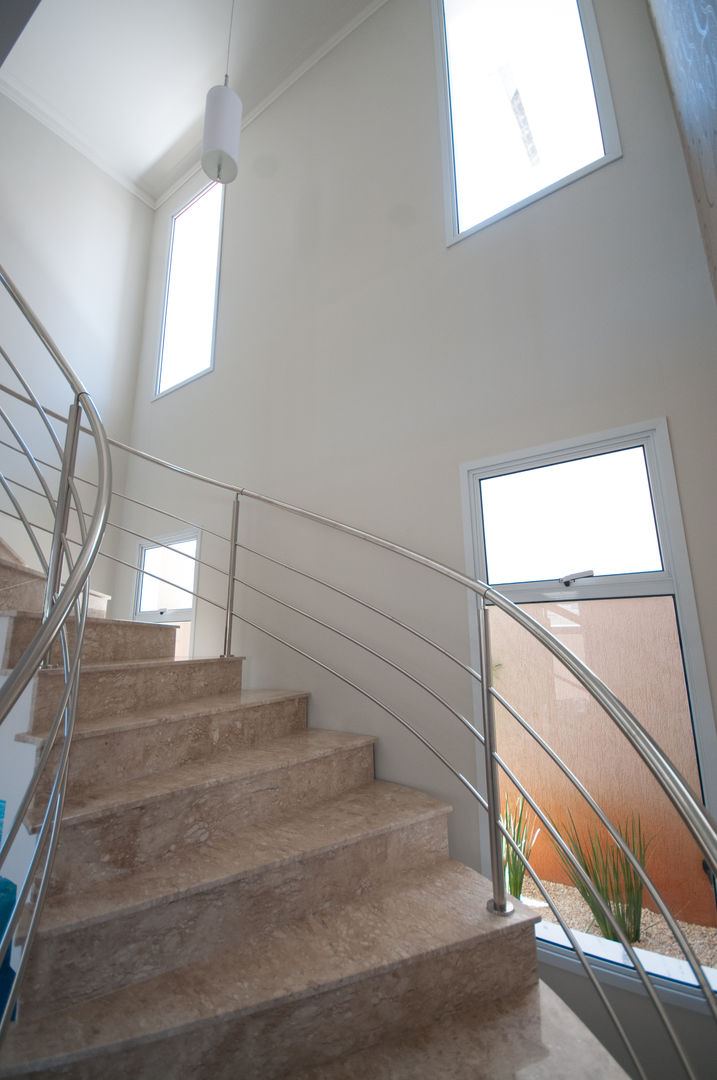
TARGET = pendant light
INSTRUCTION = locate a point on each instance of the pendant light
(222, 127)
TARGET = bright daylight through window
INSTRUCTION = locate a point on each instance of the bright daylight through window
(191, 298)
(578, 503)
(527, 110)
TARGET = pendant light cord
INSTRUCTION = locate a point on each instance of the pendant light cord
(229, 43)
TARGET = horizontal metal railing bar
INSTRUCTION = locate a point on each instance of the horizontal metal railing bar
(41, 332)
(372, 652)
(115, 495)
(369, 607)
(21, 516)
(370, 697)
(622, 937)
(34, 399)
(619, 840)
(81, 513)
(24, 449)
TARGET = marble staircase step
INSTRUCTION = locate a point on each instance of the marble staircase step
(134, 686)
(21, 588)
(105, 640)
(532, 1035)
(106, 749)
(393, 960)
(120, 932)
(138, 822)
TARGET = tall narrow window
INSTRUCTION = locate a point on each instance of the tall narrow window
(187, 347)
(166, 581)
(528, 100)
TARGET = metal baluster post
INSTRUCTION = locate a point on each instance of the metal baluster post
(232, 574)
(499, 904)
(62, 510)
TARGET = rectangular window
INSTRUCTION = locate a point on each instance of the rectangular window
(593, 514)
(165, 587)
(528, 103)
(586, 537)
(187, 346)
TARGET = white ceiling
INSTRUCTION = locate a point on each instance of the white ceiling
(124, 81)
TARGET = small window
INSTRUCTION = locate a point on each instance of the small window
(165, 587)
(187, 347)
(528, 103)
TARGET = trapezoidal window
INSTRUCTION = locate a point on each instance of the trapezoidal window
(187, 345)
(528, 103)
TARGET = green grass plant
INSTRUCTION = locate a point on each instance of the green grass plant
(612, 875)
(520, 825)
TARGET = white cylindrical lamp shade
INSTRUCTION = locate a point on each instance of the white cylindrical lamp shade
(222, 127)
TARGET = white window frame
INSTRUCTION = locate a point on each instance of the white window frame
(184, 205)
(168, 615)
(674, 579)
(603, 100)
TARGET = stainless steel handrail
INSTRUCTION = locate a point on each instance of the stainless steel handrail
(62, 600)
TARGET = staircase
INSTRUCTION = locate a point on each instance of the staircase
(234, 895)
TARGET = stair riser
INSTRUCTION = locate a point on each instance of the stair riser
(277, 1041)
(108, 692)
(99, 761)
(103, 641)
(20, 591)
(74, 966)
(110, 844)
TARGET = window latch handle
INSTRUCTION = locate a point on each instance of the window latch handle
(570, 578)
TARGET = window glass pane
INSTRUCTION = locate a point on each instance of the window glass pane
(171, 564)
(188, 333)
(523, 107)
(633, 644)
(594, 513)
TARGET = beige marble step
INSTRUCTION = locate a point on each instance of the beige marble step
(134, 686)
(393, 960)
(532, 1035)
(113, 748)
(21, 589)
(105, 640)
(140, 821)
(114, 934)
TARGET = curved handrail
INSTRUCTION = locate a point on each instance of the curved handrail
(60, 601)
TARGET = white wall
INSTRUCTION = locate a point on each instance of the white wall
(359, 361)
(76, 245)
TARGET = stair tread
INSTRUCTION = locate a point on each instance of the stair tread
(118, 666)
(286, 750)
(534, 1036)
(375, 808)
(210, 705)
(431, 912)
